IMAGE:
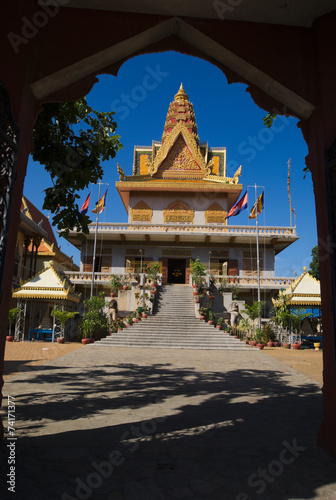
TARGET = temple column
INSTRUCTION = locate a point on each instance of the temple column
(26, 244)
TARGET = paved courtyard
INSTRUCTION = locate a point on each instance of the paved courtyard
(133, 424)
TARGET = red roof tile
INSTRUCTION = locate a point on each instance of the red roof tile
(37, 216)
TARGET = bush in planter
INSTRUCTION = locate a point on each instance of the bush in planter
(204, 311)
(153, 273)
(94, 323)
(115, 282)
(129, 319)
(197, 271)
(113, 327)
(212, 317)
(120, 324)
(63, 317)
(259, 336)
(220, 322)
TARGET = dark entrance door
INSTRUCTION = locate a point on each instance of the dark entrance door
(176, 270)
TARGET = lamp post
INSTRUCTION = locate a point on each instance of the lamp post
(209, 261)
(140, 260)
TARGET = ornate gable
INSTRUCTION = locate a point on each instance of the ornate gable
(178, 211)
(141, 213)
(215, 214)
(179, 157)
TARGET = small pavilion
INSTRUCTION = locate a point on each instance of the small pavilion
(305, 293)
(37, 297)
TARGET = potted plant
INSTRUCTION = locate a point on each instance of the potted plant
(113, 328)
(259, 338)
(129, 320)
(94, 323)
(120, 324)
(234, 289)
(62, 317)
(203, 312)
(198, 272)
(286, 345)
(212, 317)
(153, 273)
(145, 311)
(296, 345)
(115, 283)
(219, 323)
(12, 314)
(135, 316)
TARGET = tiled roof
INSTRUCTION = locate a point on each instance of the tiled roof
(37, 216)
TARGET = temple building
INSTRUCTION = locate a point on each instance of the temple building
(177, 199)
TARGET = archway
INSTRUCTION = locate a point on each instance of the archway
(298, 83)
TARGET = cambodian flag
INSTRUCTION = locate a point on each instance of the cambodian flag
(239, 206)
(85, 206)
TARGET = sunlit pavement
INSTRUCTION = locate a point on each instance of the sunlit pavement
(137, 424)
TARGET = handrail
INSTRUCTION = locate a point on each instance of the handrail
(194, 228)
(231, 280)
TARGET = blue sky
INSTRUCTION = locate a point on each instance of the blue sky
(226, 116)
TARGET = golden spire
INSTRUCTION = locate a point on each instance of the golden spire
(181, 96)
(180, 111)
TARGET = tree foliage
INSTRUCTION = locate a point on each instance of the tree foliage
(314, 266)
(269, 119)
(95, 321)
(255, 310)
(71, 140)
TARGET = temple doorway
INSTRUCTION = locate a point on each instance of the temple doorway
(177, 271)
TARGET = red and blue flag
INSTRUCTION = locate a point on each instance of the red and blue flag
(85, 206)
(238, 207)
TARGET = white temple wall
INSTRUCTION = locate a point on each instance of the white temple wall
(118, 254)
(199, 203)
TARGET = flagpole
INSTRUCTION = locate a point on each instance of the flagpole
(95, 244)
(258, 263)
(289, 193)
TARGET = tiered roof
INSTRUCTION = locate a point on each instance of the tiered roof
(179, 163)
(48, 284)
(181, 111)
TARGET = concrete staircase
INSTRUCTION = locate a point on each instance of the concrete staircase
(173, 326)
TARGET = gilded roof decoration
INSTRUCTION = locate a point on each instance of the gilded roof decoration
(305, 290)
(179, 155)
(191, 152)
(47, 284)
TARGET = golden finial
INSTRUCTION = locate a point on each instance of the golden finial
(181, 96)
(121, 173)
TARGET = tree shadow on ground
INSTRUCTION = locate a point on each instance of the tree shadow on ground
(12, 367)
(172, 432)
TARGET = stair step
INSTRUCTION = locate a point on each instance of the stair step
(173, 326)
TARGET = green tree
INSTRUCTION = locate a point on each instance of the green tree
(12, 314)
(254, 311)
(71, 140)
(314, 266)
(63, 317)
(197, 271)
(95, 321)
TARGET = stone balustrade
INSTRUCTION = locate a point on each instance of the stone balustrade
(270, 231)
(248, 281)
(77, 277)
